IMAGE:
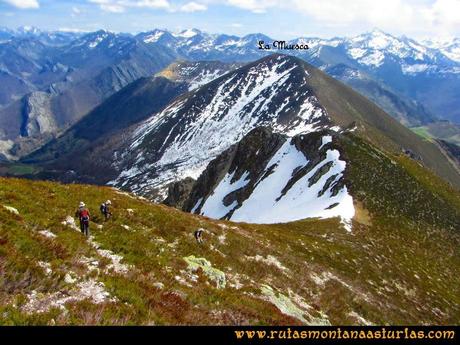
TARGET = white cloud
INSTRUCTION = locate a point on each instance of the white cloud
(114, 8)
(108, 6)
(403, 16)
(378, 13)
(445, 13)
(193, 7)
(76, 30)
(75, 11)
(119, 6)
(23, 4)
(256, 6)
(164, 4)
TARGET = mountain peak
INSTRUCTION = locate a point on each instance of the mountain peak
(376, 39)
(377, 32)
(27, 29)
(152, 36)
(188, 33)
(272, 91)
(93, 39)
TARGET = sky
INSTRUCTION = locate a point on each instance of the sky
(280, 19)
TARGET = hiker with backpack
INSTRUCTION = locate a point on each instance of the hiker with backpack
(105, 209)
(83, 215)
(198, 234)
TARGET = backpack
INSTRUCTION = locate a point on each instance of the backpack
(103, 208)
(84, 215)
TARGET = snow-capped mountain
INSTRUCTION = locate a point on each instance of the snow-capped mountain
(398, 68)
(51, 38)
(5, 34)
(402, 72)
(449, 47)
(186, 144)
(158, 37)
(49, 88)
(182, 139)
(194, 44)
(376, 48)
(371, 49)
(132, 104)
(61, 83)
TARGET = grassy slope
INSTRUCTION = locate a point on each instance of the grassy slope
(346, 106)
(400, 264)
(423, 132)
(442, 130)
(17, 169)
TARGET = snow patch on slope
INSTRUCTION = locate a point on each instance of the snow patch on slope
(93, 44)
(414, 69)
(374, 59)
(203, 78)
(214, 204)
(153, 37)
(267, 204)
(189, 33)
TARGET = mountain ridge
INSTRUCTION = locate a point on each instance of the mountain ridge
(272, 178)
(313, 101)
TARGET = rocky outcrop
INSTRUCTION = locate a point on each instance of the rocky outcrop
(216, 276)
(37, 115)
(178, 192)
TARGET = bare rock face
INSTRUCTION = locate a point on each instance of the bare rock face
(37, 117)
(178, 192)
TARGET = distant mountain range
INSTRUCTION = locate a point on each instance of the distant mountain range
(52, 86)
(400, 67)
(52, 79)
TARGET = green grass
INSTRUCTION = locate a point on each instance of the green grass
(423, 132)
(402, 266)
(18, 169)
(440, 130)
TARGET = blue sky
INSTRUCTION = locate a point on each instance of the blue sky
(281, 19)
